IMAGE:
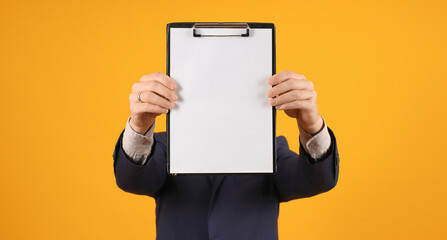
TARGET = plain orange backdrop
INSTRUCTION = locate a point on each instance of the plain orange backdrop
(379, 68)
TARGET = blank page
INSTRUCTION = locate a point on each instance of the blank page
(222, 121)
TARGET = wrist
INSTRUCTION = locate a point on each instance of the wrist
(141, 129)
(313, 127)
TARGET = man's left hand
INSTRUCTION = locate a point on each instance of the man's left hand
(297, 97)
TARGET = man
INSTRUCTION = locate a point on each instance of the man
(224, 207)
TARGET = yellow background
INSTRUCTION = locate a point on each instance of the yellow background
(379, 68)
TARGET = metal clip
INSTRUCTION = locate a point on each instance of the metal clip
(221, 25)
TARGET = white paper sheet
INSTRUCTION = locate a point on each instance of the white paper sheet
(222, 121)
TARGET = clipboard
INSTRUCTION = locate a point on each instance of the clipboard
(222, 122)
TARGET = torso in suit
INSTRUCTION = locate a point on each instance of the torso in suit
(224, 207)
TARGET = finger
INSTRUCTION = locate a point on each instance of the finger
(147, 108)
(156, 87)
(153, 98)
(292, 96)
(283, 76)
(162, 78)
(290, 84)
(298, 104)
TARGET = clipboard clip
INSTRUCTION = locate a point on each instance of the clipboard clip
(221, 25)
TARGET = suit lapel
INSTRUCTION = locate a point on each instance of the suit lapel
(216, 181)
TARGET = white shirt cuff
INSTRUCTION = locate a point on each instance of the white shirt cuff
(318, 144)
(137, 146)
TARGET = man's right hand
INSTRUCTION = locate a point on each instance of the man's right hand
(157, 96)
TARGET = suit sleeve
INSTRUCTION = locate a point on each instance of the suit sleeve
(300, 176)
(143, 179)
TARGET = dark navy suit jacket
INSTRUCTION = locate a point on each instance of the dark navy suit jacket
(224, 207)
